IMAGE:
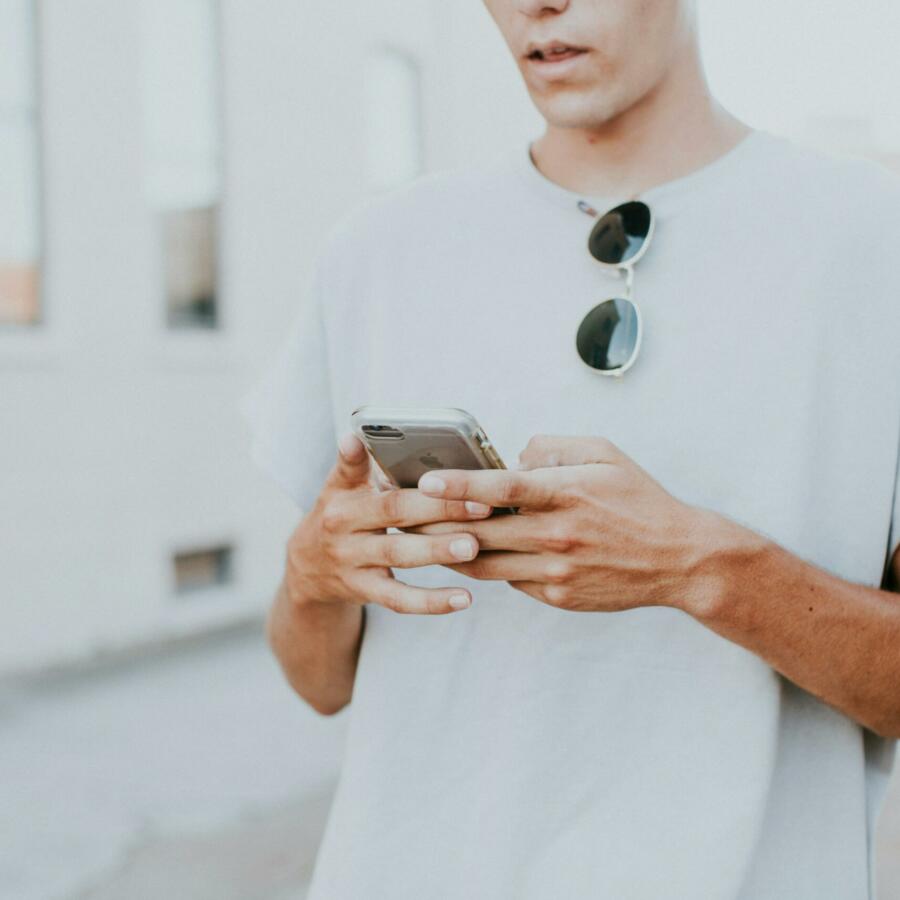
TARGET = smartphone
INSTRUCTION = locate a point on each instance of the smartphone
(407, 442)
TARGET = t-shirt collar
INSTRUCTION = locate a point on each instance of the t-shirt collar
(555, 193)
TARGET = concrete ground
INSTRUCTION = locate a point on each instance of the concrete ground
(194, 775)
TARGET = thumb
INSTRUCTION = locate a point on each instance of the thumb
(352, 466)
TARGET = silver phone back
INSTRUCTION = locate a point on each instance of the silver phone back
(427, 439)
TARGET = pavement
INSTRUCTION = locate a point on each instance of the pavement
(194, 774)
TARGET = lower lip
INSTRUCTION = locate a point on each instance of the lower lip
(556, 68)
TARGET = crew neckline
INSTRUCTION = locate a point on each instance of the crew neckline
(555, 192)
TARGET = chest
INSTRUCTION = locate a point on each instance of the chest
(735, 402)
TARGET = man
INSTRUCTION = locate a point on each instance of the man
(676, 673)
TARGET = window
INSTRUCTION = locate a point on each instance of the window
(180, 77)
(393, 124)
(189, 251)
(19, 167)
(202, 568)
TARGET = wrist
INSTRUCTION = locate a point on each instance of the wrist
(298, 590)
(720, 554)
(300, 595)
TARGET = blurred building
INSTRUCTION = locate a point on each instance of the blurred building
(168, 169)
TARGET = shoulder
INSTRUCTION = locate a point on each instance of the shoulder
(429, 203)
(833, 185)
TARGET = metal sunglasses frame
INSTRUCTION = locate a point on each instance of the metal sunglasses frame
(626, 269)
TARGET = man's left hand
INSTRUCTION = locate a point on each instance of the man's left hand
(594, 531)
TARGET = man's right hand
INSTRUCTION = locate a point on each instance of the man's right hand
(341, 551)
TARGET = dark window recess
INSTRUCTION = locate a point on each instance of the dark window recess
(189, 249)
(197, 570)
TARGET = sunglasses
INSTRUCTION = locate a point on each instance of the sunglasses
(609, 337)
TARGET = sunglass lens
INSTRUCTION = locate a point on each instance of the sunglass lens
(608, 335)
(618, 235)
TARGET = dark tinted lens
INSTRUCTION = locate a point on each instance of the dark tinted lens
(619, 234)
(608, 334)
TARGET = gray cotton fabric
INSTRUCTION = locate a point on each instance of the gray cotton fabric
(514, 751)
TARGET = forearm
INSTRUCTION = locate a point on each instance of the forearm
(838, 640)
(317, 645)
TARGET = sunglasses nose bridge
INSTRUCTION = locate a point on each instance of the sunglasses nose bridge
(628, 274)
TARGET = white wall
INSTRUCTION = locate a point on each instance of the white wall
(122, 440)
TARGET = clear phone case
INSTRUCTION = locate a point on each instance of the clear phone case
(407, 442)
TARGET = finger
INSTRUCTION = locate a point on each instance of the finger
(546, 450)
(380, 480)
(406, 551)
(352, 466)
(531, 534)
(502, 565)
(497, 487)
(532, 588)
(404, 507)
(404, 598)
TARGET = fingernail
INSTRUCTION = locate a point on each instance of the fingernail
(477, 509)
(462, 549)
(347, 444)
(459, 601)
(431, 484)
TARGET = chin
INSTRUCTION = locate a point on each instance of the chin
(574, 110)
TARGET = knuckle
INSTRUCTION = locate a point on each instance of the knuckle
(534, 449)
(567, 496)
(337, 552)
(560, 538)
(452, 509)
(558, 572)
(558, 595)
(510, 491)
(392, 506)
(390, 555)
(334, 517)
(396, 551)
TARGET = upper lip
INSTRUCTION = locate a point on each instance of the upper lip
(550, 45)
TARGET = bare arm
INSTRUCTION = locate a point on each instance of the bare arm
(836, 639)
(339, 558)
(597, 533)
(317, 645)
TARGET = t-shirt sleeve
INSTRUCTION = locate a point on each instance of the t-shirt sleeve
(289, 409)
(894, 533)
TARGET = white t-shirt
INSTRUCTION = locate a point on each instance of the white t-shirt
(514, 751)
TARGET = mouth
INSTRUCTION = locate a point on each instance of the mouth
(552, 55)
(555, 58)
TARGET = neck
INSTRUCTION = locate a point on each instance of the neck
(675, 128)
